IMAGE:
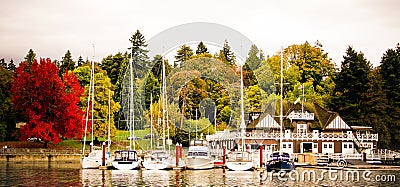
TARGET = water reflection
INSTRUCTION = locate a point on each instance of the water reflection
(70, 174)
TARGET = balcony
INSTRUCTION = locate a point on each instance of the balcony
(296, 136)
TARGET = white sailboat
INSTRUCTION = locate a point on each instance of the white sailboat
(128, 159)
(155, 160)
(161, 159)
(94, 159)
(240, 160)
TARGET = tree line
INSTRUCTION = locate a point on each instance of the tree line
(363, 95)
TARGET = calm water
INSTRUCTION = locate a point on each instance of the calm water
(70, 174)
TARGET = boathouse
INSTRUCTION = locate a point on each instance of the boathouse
(307, 129)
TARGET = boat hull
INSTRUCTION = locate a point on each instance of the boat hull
(239, 165)
(155, 165)
(90, 163)
(93, 160)
(280, 165)
(199, 163)
(125, 165)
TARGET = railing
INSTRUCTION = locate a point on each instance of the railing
(367, 137)
(297, 136)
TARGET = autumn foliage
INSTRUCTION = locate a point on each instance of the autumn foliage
(47, 103)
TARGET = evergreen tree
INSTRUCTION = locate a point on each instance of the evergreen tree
(11, 66)
(201, 48)
(226, 55)
(253, 60)
(67, 63)
(152, 89)
(351, 83)
(3, 63)
(390, 65)
(139, 54)
(30, 57)
(183, 54)
(377, 109)
(80, 61)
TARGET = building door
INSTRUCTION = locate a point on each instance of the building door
(315, 148)
(306, 147)
(327, 147)
(287, 147)
(347, 148)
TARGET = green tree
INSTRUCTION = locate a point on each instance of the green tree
(67, 63)
(111, 64)
(6, 107)
(152, 89)
(226, 55)
(3, 63)
(254, 58)
(303, 64)
(139, 54)
(390, 65)
(11, 66)
(30, 57)
(377, 110)
(201, 48)
(351, 83)
(80, 61)
(183, 54)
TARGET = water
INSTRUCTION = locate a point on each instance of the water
(70, 174)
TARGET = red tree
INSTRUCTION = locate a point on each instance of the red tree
(47, 103)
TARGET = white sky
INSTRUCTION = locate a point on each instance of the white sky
(51, 27)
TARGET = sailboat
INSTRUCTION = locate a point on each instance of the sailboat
(128, 159)
(161, 159)
(94, 159)
(280, 161)
(240, 160)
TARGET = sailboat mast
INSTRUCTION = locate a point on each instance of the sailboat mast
(92, 122)
(197, 121)
(109, 120)
(131, 111)
(163, 101)
(281, 105)
(242, 124)
(151, 121)
(87, 112)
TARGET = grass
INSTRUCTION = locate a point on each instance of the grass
(123, 134)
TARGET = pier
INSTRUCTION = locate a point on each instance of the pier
(38, 154)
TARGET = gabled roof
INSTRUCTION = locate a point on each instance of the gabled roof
(337, 124)
(323, 118)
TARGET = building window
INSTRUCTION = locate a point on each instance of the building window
(325, 146)
(289, 146)
(284, 146)
(345, 145)
(301, 128)
(315, 146)
(330, 146)
(350, 146)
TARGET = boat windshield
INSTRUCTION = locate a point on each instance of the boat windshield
(125, 155)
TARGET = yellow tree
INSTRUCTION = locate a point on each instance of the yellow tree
(103, 93)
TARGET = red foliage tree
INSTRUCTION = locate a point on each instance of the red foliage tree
(48, 104)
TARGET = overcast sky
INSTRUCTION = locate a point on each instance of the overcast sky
(51, 27)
